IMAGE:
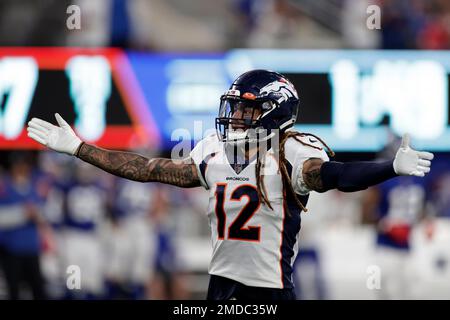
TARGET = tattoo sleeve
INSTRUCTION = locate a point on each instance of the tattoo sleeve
(311, 174)
(138, 168)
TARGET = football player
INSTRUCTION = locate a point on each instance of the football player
(396, 207)
(86, 205)
(131, 241)
(255, 196)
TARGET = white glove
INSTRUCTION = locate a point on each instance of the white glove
(409, 162)
(61, 139)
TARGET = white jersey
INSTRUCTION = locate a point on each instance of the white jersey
(253, 244)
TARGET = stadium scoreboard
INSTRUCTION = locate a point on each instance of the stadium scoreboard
(354, 100)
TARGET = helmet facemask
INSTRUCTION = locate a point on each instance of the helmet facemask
(239, 120)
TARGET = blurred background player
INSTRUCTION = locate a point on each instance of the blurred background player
(20, 223)
(395, 207)
(86, 208)
(131, 240)
(175, 220)
(56, 170)
(433, 239)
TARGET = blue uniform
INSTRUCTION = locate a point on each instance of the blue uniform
(401, 203)
(20, 244)
(133, 199)
(18, 234)
(85, 205)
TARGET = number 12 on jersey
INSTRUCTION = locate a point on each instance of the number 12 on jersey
(237, 229)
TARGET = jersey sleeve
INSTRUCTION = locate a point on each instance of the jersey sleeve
(200, 155)
(297, 153)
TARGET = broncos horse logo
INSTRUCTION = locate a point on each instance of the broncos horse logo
(281, 88)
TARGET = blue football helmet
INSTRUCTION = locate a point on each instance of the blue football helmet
(258, 103)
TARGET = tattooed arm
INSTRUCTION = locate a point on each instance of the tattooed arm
(311, 174)
(62, 138)
(138, 168)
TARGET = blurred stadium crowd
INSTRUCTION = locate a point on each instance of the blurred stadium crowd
(151, 241)
(196, 25)
(58, 213)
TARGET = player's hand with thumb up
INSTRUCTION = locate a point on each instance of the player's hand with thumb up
(59, 138)
(409, 162)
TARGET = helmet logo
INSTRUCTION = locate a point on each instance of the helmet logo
(281, 88)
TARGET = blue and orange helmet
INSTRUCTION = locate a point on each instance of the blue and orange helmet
(269, 96)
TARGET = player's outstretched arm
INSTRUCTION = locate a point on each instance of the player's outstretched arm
(138, 168)
(123, 164)
(354, 176)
